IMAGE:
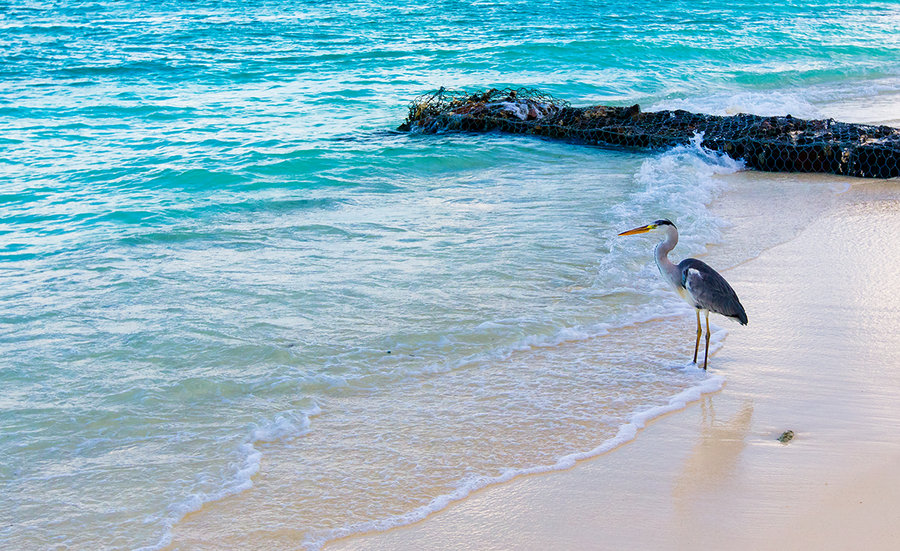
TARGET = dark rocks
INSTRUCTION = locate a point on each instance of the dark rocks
(786, 436)
(776, 144)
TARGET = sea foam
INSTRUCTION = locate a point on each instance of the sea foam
(240, 471)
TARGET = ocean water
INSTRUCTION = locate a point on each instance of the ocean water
(236, 304)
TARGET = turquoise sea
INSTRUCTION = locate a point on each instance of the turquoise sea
(228, 286)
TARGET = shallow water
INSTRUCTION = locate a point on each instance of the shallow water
(224, 274)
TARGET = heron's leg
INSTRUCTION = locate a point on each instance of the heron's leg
(699, 332)
(706, 354)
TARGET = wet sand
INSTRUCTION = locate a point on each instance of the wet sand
(821, 357)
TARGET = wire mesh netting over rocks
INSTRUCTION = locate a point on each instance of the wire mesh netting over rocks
(776, 144)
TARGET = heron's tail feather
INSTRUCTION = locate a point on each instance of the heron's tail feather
(741, 315)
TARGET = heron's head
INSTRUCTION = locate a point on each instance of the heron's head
(660, 225)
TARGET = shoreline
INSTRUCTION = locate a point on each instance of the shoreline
(715, 473)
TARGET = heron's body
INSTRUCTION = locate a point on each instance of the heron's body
(694, 281)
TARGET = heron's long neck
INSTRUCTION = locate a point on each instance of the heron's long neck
(669, 271)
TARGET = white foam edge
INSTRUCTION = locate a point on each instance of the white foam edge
(686, 179)
(287, 424)
(626, 433)
(670, 309)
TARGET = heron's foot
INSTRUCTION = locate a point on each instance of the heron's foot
(696, 365)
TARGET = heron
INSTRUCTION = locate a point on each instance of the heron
(694, 281)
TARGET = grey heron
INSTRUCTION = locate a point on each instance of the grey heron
(694, 281)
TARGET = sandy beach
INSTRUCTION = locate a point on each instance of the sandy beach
(820, 357)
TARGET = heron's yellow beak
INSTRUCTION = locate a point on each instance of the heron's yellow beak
(642, 229)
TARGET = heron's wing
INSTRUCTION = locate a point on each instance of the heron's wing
(709, 290)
